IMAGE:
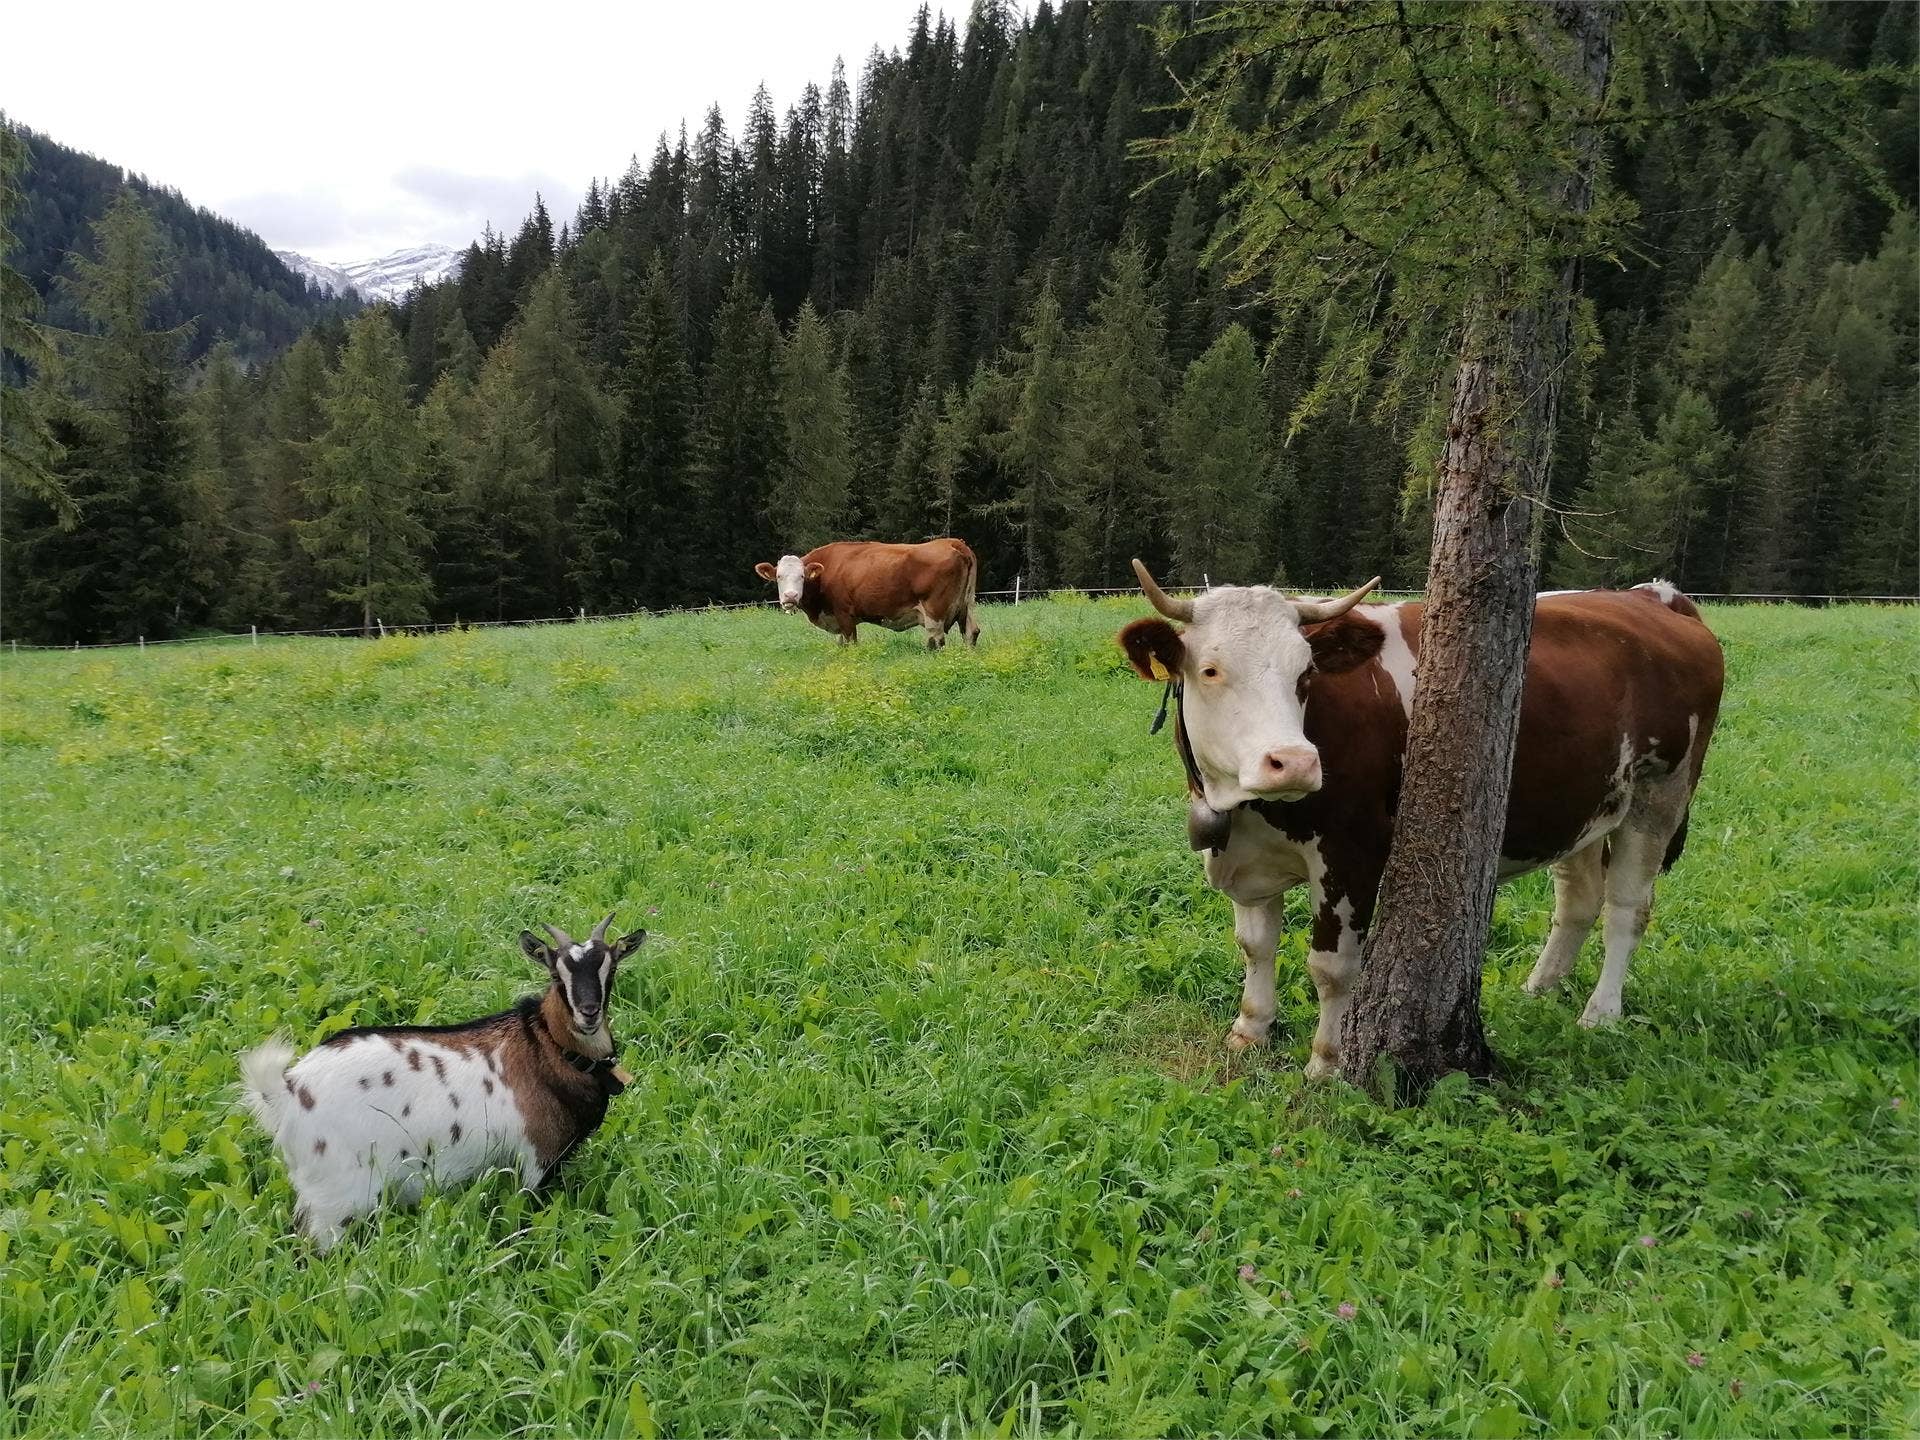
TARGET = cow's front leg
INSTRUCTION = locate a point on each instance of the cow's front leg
(1333, 962)
(1257, 929)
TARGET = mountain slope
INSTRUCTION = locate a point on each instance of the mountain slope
(388, 278)
(224, 279)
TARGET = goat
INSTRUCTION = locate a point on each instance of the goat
(395, 1108)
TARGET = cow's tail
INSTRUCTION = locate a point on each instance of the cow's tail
(969, 586)
(1676, 842)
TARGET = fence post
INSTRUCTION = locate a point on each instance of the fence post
(1205, 582)
(383, 626)
(256, 636)
(143, 642)
(1016, 589)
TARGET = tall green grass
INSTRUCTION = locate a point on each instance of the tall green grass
(932, 1130)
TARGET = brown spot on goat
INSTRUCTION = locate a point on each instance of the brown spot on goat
(386, 1077)
(319, 1147)
(439, 1068)
(413, 1059)
(488, 1084)
(365, 1083)
(306, 1098)
(453, 1100)
(406, 1110)
(456, 1132)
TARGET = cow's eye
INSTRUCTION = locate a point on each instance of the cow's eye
(1209, 672)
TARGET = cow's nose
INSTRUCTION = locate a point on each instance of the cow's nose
(1293, 768)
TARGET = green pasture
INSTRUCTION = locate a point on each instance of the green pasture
(933, 1132)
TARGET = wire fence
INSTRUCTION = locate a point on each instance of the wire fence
(1014, 596)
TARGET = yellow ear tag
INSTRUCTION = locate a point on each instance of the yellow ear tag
(1159, 670)
(622, 1074)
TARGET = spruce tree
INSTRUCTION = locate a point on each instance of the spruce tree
(636, 526)
(366, 537)
(810, 502)
(1119, 398)
(1217, 466)
(1034, 445)
(133, 492)
(496, 537)
(738, 455)
(571, 416)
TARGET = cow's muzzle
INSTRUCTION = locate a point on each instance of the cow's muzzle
(1288, 772)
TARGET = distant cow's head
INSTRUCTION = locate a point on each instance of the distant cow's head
(1241, 659)
(791, 576)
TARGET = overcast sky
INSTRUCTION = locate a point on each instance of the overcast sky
(348, 130)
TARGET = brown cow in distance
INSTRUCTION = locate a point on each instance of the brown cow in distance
(849, 583)
(1292, 727)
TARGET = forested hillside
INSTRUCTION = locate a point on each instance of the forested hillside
(951, 297)
(222, 279)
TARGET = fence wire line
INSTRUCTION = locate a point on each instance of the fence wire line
(1017, 595)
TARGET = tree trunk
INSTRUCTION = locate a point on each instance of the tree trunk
(1417, 998)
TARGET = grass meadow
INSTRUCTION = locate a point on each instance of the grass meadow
(933, 1131)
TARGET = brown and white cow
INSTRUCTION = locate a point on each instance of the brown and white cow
(850, 583)
(1293, 726)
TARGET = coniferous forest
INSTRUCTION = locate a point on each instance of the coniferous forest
(948, 295)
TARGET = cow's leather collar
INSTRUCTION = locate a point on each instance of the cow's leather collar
(1207, 828)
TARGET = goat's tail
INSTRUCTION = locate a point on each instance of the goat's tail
(263, 1073)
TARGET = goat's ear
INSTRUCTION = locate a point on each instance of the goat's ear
(1155, 649)
(627, 944)
(536, 949)
(765, 571)
(815, 571)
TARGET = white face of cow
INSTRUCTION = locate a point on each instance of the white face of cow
(789, 578)
(1241, 660)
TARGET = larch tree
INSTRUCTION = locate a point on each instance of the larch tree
(1429, 178)
(367, 536)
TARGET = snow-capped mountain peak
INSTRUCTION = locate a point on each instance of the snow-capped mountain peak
(387, 278)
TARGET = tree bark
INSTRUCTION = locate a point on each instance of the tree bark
(1417, 998)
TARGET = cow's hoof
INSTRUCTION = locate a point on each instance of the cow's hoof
(1598, 1017)
(1238, 1040)
(1321, 1068)
(1540, 984)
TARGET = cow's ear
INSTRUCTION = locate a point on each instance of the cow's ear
(814, 572)
(765, 571)
(1341, 645)
(1155, 649)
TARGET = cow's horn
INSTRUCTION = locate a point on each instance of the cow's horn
(1312, 610)
(560, 937)
(1168, 606)
(600, 930)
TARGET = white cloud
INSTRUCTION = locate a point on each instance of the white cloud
(352, 130)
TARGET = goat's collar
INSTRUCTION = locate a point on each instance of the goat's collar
(607, 1072)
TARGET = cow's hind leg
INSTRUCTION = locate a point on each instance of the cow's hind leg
(1257, 929)
(936, 629)
(971, 628)
(1579, 885)
(1634, 855)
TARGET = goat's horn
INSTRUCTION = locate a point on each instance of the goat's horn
(600, 930)
(1312, 610)
(560, 937)
(1168, 606)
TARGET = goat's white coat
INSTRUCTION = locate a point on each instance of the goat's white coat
(381, 1123)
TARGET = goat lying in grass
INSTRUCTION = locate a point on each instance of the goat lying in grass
(395, 1108)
